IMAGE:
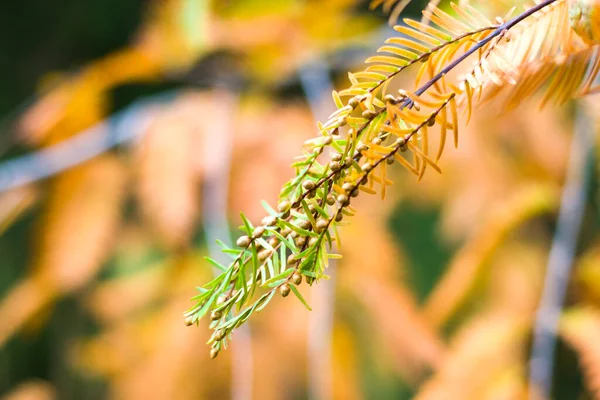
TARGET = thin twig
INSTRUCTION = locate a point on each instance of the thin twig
(123, 127)
(562, 254)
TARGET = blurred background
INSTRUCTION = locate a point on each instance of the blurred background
(132, 134)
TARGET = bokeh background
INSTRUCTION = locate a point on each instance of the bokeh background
(197, 109)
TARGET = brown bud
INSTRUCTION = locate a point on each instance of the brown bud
(269, 220)
(258, 232)
(330, 199)
(304, 224)
(322, 224)
(214, 352)
(336, 157)
(264, 254)
(220, 335)
(389, 160)
(349, 161)
(342, 199)
(377, 140)
(308, 185)
(291, 259)
(347, 186)
(310, 280)
(216, 315)
(222, 299)
(284, 206)
(367, 167)
(243, 241)
(401, 143)
(335, 166)
(317, 150)
(189, 321)
(354, 193)
(286, 231)
(327, 140)
(273, 241)
(313, 241)
(353, 102)
(368, 114)
(284, 290)
(311, 207)
(431, 122)
(388, 98)
(300, 241)
(339, 216)
(296, 278)
(362, 147)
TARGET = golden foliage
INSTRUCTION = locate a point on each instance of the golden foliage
(75, 237)
(466, 268)
(580, 328)
(167, 177)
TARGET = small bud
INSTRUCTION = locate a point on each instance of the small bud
(335, 166)
(222, 299)
(311, 207)
(284, 206)
(354, 193)
(376, 140)
(322, 224)
(243, 241)
(308, 185)
(269, 220)
(327, 140)
(214, 352)
(336, 157)
(216, 315)
(313, 241)
(368, 114)
(291, 259)
(286, 231)
(303, 224)
(310, 280)
(284, 290)
(330, 199)
(220, 335)
(300, 241)
(389, 160)
(258, 232)
(273, 241)
(362, 147)
(351, 132)
(431, 122)
(294, 234)
(264, 254)
(353, 102)
(296, 278)
(401, 143)
(367, 167)
(388, 98)
(348, 160)
(347, 186)
(342, 199)
(317, 150)
(339, 216)
(189, 321)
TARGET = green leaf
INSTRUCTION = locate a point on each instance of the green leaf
(282, 276)
(216, 264)
(299, 296)
(268, 208)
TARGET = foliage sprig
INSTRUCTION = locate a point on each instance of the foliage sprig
(374, 128)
